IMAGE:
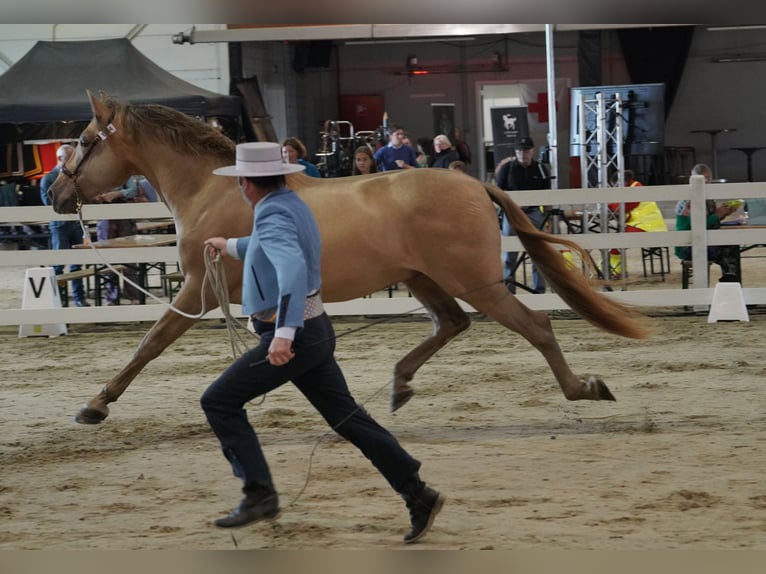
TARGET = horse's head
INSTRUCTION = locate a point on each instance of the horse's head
(96, 166)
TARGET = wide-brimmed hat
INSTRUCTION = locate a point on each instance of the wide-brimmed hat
(259, 159)
(525, 143)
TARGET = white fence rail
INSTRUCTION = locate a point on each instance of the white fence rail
(699, 238)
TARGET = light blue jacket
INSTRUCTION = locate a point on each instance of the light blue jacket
(281, 258)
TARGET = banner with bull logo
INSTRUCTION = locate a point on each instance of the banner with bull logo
(508, 125)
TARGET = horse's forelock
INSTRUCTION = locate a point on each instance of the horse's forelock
(175, 129)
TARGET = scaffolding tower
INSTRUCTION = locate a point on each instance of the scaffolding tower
(601, 152)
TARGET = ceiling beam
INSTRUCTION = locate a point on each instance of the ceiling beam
(256, 33)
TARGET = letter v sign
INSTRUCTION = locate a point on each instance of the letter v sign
(36, 291)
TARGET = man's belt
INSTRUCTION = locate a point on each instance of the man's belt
(313, 309)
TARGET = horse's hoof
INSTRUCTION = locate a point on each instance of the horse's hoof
(604, 394)
(400, 398)
(89, 416)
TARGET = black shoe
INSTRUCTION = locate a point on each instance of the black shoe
(728, 279)
(251, 510)
(423, 509)
(81, 303)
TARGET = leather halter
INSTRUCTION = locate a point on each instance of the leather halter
(74, 174)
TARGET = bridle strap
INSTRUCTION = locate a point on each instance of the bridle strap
(74, 174)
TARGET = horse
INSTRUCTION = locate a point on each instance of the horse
(435, 230)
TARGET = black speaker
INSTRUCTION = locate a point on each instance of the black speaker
(312, 54)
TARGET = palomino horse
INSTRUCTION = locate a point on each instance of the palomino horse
(434, 230)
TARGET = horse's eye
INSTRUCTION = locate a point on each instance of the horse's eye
(83, 141)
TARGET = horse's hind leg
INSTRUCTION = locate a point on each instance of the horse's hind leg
(166, 330)
(448, 319)
(496, 302)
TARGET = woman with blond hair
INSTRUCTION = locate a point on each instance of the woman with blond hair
(293, 151)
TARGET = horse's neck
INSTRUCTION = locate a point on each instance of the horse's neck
(182, 179)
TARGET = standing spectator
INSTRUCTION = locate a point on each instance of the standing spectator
(281, 292)
(726, 256)
(463, 151)
(420, 155)
(444, 153)
(64, 234)
(293, 151)
(363, 161)
(395, 155)
(518, 174)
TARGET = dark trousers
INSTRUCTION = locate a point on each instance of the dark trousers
(537, 217)
(316, 374)
(726, 256)
(65, 234)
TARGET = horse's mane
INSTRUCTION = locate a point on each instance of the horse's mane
(177, 130)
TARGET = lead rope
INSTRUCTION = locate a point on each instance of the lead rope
(205, 279)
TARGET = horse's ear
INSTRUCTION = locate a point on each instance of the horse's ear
(98, 107)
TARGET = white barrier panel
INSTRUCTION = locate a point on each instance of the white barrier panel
(41, 292)
(728, 304)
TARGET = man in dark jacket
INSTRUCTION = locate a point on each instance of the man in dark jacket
(522, 173)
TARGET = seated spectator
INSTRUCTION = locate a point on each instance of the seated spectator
(293, 151)
(639, 216)
(111, 228)
(726, 256)
(363, 161)
(144, 190)
(444, 153)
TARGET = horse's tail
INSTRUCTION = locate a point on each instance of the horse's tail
(570, 284)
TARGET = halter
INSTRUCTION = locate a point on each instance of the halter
(74, 174)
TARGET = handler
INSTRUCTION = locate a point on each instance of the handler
(281, 293)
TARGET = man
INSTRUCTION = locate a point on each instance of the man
(280, 292)
(64, 234)
(519, 174)
(396, 155)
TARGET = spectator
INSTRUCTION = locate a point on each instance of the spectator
(364, 163)
(293, 151)
(725, 256)
(64, 234)
(463, 151)
(523, 172)
(395, 155)
(420, 155)
(458, 165)
(444, 153)
(111, 228)
(639, 216)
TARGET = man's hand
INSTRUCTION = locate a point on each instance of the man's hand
(280, 351)
(216, 245)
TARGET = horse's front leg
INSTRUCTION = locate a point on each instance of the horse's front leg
(449, 320)
(166, 330)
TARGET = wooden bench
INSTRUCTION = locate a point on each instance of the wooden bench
(86, 273)
(172, 283)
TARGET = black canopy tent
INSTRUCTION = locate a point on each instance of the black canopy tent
(42, 96)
